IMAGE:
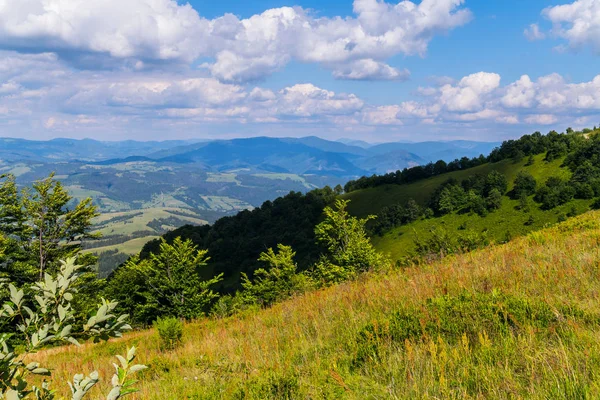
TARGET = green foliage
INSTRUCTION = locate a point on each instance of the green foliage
(525, 184)
(495, 180)
(170, 332)
(290, 219)
(494, 200)
(348, 249)
(441, 242)
(556, 192)
(169, 283)
(43, 315)
(42, 228)
(278, 281)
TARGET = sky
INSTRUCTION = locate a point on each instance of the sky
(368, 70)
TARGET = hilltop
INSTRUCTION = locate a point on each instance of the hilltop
(345, 341)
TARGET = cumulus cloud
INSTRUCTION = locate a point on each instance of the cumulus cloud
(577, 22)
(480, 97)
(65, 99)
(146, 32)
(369, 69)
(533, 33)
(468, 94)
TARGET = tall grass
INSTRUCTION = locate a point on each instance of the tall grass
(307, 347)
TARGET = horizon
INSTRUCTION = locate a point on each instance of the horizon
(371, 70)
(200, 140)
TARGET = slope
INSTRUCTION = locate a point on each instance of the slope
(506, 222)
(313, 346)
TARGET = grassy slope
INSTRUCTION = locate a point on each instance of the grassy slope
(307, 344)
(507, 220)
(130, 247)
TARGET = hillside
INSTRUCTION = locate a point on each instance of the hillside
(518, 320)
(508, 221)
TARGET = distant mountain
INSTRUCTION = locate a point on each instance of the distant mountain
(391, 161)
(87, 149)
(312, 155)
(269, 154)
(353, 142)
(434, 151)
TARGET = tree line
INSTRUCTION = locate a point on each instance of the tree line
(554, 144)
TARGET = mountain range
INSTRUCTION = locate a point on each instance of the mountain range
(303, 156)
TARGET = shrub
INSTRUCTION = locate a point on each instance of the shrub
(441, 242)
(49, 320)
(525, 183)
(170, 332)
(468, 314)
(278, 281)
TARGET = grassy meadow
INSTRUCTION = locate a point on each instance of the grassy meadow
(518, 320)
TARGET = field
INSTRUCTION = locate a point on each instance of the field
(518, 320)
(128, 231)
(130, 247)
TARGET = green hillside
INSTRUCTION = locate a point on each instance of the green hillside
(500, 225)
(372, 200)
(512, 321)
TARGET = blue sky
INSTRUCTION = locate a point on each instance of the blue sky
(365, 69)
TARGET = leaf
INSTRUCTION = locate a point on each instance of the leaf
(41, 371)
(122, 361)
(114, 394)
(137, 367)
(131, 354)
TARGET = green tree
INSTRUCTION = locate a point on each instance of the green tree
(530, 161)
(171, 281)
(42, 227)
(452, 198)
(348, 249)
(494, 200)
(524, 203)
(495, 180)
(476, 203)
(278, 281)
(525, 183)
(412, 211)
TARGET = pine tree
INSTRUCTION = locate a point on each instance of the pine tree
(348, 249)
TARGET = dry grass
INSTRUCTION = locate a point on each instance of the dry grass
(304, 347)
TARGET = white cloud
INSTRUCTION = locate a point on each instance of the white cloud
(382, 115)
(520, 93)
(306, 100)
(469, 93)
(541, 119)
(369, 69)
(533, 33)
(577, 22)
(65, 99)
(141, 33)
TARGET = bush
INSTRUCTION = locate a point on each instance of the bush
(170, 332)
(525, 183)
(468, 314)
(441, 242)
